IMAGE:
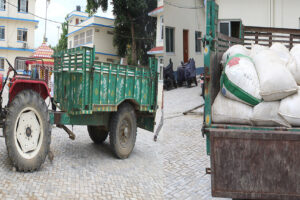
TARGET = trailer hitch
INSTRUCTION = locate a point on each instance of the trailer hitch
(70, 133)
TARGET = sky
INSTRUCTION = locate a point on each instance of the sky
(58, 10)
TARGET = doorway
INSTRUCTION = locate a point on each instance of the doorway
(185, 46)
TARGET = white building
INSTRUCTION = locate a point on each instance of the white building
(158, 50)
(184, 23)
(266, 13)
(17, 27)
(93, 31)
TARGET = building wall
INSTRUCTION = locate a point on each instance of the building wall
(10, 56)
(102, 37)
(269, 13)
(184, 19)
(160, 3)
(12, 11)
(160, 22)
(11, 19)
(11, 27)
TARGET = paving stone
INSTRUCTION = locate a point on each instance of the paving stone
(172, 168)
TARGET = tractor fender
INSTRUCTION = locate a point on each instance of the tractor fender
(20, 84)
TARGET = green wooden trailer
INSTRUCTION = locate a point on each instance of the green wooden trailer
(109, 98)
(247, 162)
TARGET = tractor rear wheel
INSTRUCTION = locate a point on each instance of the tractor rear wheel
(27, 131)
(123, 131)
(97, 133)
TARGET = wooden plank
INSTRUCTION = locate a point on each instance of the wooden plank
(227, 38)
(271, 30)
(247, 34)
(268, 40)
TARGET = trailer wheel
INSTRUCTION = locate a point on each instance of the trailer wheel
(123, 131)
(27, 131)
(97, 133)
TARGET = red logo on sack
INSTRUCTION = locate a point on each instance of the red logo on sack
(234, 61)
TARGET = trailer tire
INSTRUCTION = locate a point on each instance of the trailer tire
(97, 133)
(123, 130)
(27, 131)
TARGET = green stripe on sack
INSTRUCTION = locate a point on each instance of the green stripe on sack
(239, 56)
(238, 92)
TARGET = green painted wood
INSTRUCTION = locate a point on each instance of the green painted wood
(96, 119)
(84, 86)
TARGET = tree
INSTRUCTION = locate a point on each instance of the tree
(63, 41)
(134, 32)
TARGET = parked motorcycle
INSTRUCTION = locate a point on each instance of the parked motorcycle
(186, 73)
(169, 78)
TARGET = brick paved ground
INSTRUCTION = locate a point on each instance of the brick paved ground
(185, 156)
(172, 168)
(83, 170)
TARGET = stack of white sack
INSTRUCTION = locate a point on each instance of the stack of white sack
(289, 109)
(253, 84)
(235, 49)
(225, 110)
(276, 81)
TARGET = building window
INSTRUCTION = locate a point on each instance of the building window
(89, 36)
(23, 6)
(77, 21)
(2, 4)
(76, 40)
(70, 44)
(161, 27)
(2, 63)
(2, 33)
(22, 35)
(110, 60)
(169, 39)
(198, 41)
(82, 38)
(21, 64)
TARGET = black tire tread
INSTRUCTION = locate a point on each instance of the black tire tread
(26, 97)
(123, 108)
(97, 134)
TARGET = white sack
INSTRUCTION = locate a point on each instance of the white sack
(240, 71)
(295, 48)
(294, 67)
(225, 110)
(281, 51)
(256, 48)
(235, 49)
(276, 81)
(288, 60)
(266, 114)
(290, 109)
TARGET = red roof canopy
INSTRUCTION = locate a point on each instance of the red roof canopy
(44, 52)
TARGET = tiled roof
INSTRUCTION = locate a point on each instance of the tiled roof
(156, 50)
(44, 52)
(156, 11)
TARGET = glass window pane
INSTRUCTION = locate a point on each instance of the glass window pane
(2, 4)
(167, 40)
(224, 28)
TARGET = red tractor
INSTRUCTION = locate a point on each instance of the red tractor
(25, 120)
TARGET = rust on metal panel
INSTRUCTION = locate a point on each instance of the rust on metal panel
(255, 164)
(57, 117)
